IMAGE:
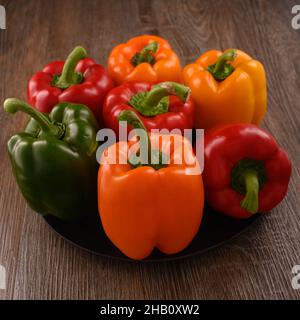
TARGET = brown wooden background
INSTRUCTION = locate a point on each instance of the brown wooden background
(257, 264)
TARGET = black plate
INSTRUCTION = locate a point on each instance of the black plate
(215, 230)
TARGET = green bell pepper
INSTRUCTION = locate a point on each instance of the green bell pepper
(54, 159)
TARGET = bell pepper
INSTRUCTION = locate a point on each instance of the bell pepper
(54, 160)
(227, 87)
(156, 202)
(79, 80)
(162, 106)
(245, 171)
(145, 58)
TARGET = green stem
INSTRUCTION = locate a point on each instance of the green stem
(223, 59)
(159, 158)
(146, 54)
(152, 103)
(222, 68)
(68, 76)
(13, 105)
(250, 202)
(165, 89)
(131, 118)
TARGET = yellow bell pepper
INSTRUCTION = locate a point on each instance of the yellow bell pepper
(227, 87)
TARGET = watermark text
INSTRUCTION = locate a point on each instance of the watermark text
(2, 278)
(296, 278)
(2, 18)
(296, 19)
(176, 147)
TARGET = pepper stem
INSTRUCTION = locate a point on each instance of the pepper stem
(68, 76)
(222, 68)
(153, 158)
(146, 54)
(165, 89)
(250, 202)
(13, 105)
(152, 103)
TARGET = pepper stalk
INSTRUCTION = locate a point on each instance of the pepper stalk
(146, 54)
(13, 105)
(69, 76)
(153, 157)
(222, 68)
(156, 100)
(247, 177)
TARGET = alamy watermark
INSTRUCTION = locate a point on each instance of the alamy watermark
(296, 19)
(2, 278)
(176, 148)
(296, 278)
(2, 18)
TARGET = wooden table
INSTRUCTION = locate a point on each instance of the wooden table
(257, 264)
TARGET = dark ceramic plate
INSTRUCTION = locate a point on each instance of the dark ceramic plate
(215, 230)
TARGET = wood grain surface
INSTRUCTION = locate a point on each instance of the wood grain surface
(257, 264)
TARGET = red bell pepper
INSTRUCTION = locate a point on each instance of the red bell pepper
(245, 171)
(165, 105)
(78, 80)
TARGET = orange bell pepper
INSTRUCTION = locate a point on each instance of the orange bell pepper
(144, 58)
(227, 87)
(143, 206)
